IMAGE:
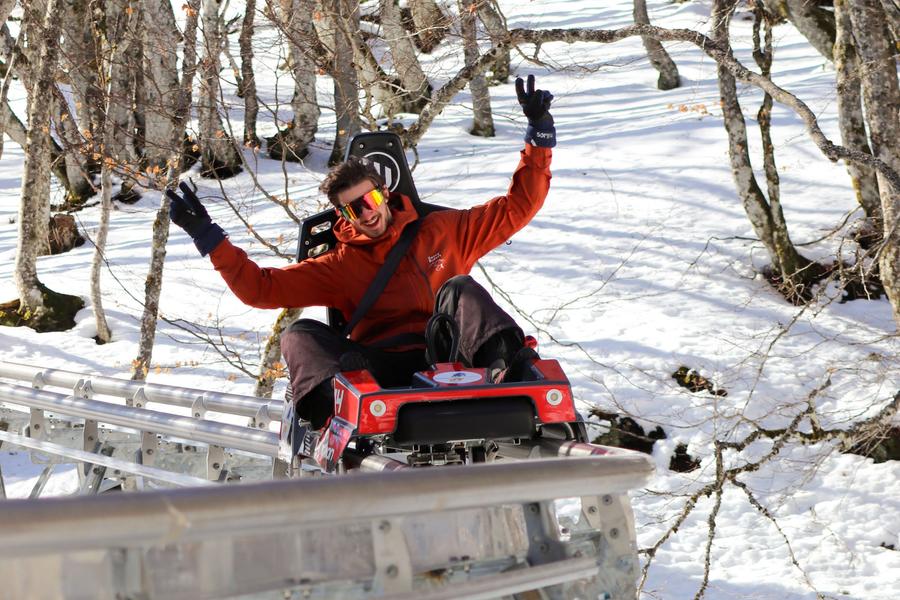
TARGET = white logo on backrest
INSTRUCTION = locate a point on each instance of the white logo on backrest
(387, 167)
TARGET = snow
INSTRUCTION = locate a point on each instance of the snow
(641, 261)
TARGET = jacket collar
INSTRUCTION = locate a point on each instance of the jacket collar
(403, 213)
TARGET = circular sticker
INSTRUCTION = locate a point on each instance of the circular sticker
(388, 168)
(457, 377)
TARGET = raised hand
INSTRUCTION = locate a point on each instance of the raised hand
(188, 212)
(536, 106)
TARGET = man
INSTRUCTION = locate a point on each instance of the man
(430, 279)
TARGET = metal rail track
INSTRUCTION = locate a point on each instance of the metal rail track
(260, 410)
(481, 531)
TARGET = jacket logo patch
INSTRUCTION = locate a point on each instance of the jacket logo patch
(436, 262)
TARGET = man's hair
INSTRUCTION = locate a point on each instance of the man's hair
(347, 174)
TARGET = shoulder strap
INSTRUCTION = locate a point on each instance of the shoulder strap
(384, 274)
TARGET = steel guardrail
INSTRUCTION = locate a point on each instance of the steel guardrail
(188, 514)
(208, 432)
(248, 406)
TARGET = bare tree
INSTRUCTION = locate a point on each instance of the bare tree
(495, 25)
(430, 22)
(295, 20)
(79, 58)
(386, 91)
(140, 366)
(6, 113)
(70, 160)
(271, 367)
(892, 12)
(415, 87)
(881, 96)
(482, 119)
(38, 306)
(120, 33)
(659, 58)
(115, 75)
(813, 20)
(792, 269)
(335, 32)
(850, 114)
(160, 90)
(248, 77)
(219, 157)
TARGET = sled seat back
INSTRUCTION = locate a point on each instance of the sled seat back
(385, 149)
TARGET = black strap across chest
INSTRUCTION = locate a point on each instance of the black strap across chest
(391, 261)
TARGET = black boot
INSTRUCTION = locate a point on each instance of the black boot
(507, 356)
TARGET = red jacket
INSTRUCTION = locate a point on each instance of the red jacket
(448, 244)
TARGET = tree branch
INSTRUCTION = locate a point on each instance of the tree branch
(724, 56)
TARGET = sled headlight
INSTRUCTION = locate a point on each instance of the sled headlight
(554, 397)
(377, 408)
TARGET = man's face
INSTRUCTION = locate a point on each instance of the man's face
(372, 223)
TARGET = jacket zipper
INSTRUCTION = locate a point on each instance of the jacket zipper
(425, 277)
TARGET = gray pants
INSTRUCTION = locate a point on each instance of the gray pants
(313, 350)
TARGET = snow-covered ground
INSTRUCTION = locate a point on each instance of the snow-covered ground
(641, 261)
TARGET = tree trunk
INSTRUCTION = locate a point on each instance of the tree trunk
(295, 19)
(416, 89)
(272, 368)
(5, 110)
(116, 75)
(219, 158)
(79, 58)
(17, 132)
(482, 119)
(160, 91)
(140, 366)
(340, 23)
(892, 12)
(6, 8)
(430, 22)
(792, 263)
(767, 221)
(119, 124)
(34, 206)
(103, 332)
(881, 96)
(248, 77)
(74, 159)
(813, 21)
(496, 28)
(659, 58)
(850, 114)
(346, 82)
(78, 188)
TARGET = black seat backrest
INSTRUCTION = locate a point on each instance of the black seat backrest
(385, 149)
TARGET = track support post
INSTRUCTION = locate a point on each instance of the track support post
(393, 567)
(215, 463)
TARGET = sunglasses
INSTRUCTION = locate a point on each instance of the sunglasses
(353, 209)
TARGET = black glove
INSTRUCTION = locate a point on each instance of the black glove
(187, 212)
(536, 104)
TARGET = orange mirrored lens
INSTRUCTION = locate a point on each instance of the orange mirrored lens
(353, 209)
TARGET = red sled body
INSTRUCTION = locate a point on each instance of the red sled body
(448, 414)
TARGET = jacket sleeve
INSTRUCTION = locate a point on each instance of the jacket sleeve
(483, 228)
(309, 283)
